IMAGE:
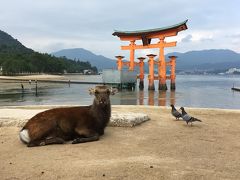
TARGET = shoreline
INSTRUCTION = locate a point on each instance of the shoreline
(118, 106)
(32, 77)
(161, 148)
(49, 78)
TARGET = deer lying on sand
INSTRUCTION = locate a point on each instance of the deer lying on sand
(79, 124)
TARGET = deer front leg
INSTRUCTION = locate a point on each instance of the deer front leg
(85, 135)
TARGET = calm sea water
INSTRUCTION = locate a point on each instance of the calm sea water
(191, 90)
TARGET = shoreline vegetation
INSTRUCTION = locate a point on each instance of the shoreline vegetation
(161, 148)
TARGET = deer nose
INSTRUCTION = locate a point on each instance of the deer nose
(102, 101)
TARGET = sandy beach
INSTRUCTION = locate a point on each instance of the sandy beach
(161, 148)
(49, 77)
(65, 78)
(33, 77)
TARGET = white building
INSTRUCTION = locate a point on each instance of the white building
(232, 70)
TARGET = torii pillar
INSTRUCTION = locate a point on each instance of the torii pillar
(132, 53)
(119, 62)
(151, 63)
(141, 72)
(173, 69)
(162, 67)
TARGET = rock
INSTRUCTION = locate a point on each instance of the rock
(127, 119)
(117, 119)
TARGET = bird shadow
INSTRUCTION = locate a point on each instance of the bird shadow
(197, 126)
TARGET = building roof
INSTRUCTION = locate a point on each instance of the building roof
(180, 26)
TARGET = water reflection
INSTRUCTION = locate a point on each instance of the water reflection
(124, 97)
(159, 98)
(141, 98)
(172, 97)
(151, 95)
(23, 93)
(162, 98)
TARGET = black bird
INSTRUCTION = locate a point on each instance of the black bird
(188, 118)
(175, 113)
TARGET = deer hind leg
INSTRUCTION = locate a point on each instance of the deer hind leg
(46, 141)
(51, 138)
(85, 135)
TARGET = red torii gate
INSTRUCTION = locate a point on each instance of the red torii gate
(146, 36)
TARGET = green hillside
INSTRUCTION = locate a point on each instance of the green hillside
(16, 58)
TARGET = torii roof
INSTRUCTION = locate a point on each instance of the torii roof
(179, 27)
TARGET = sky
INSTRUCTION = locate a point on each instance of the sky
(51, 25)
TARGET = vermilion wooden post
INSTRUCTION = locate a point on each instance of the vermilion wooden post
(132, 52)
(141, 72)
(173, 69)
(119, 62)
(162, 67)
(151, 71)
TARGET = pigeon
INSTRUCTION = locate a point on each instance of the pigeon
(175, 113)
(188, 118)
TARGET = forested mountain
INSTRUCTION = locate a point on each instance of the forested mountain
(212, 59)
(15, 58)
(84, 55)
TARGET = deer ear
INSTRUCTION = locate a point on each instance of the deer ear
(113, 91)
(92, 91)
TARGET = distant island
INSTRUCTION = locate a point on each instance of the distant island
(16, 59)
(213, 61)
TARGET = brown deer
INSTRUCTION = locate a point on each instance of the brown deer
(79, 124)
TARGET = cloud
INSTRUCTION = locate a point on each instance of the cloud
(235, 35)
(234, 38)
(196, 38)
(47, 25)
(187, 38)
(206, 39)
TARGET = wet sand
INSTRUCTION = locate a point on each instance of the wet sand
(66, 78)
(161, 148)
(33, 77)
(50, 77)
